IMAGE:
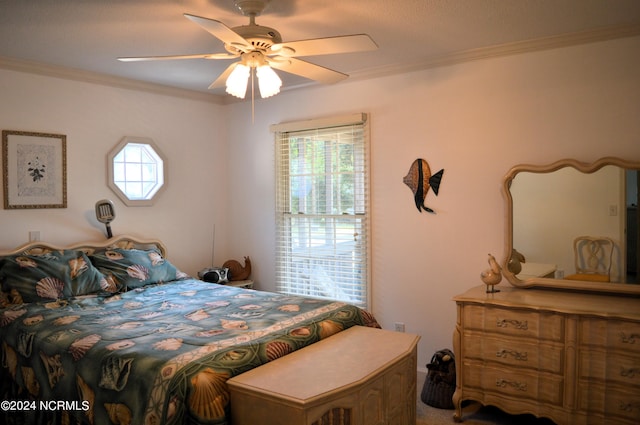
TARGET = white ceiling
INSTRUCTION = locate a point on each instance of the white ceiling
(89, 35)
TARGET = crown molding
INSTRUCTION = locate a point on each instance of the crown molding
(508, 49)
(528, 46)
(104, 79)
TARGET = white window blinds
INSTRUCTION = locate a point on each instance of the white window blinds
(322, 209)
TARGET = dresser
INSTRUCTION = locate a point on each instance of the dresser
(361, 376)
(568, 356)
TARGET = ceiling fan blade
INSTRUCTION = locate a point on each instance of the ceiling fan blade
(308, 70)
(221, 31)
(222, 79)
(172, 57)
(325, 46)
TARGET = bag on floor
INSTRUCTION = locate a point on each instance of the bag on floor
(440, 383)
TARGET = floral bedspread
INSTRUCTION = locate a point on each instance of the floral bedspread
(159, 354)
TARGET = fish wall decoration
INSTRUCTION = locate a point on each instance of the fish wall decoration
(419, 180)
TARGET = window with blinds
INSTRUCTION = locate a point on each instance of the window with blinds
(322, 209)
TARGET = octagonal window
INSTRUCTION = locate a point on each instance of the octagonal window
(136, 171)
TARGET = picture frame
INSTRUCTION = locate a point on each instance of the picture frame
(34, 168)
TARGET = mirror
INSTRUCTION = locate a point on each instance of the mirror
(548, 206)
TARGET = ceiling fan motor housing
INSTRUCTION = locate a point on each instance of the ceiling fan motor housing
(261, 38)
(256, 46)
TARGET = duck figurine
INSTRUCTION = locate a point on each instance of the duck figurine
(492, 276)
(515, 262)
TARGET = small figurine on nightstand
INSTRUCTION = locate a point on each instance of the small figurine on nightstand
(231, 273)
(492, 276)
(237, 271)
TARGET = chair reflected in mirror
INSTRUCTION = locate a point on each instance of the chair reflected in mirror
(593, 258)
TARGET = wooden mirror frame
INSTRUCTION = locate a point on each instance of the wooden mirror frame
(565, 284)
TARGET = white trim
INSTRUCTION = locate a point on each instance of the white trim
(507, 49)
(104, 79)
(339, 121)
(110, 171)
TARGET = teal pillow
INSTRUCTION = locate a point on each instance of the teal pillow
(50, 276)
(135, 268)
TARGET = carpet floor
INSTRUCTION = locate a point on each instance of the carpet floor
(474, 414)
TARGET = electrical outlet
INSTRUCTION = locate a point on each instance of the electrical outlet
(34, 235)
(399, 327)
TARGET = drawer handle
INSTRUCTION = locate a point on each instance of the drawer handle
(503, 383)
(516, 355)
(629, 373)
(631, 339)
(518, 324)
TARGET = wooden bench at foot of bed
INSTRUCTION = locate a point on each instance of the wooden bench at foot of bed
(362, 376)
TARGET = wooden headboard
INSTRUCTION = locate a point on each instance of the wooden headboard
(123, 241)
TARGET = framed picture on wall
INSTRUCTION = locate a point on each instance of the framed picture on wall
(34, 168)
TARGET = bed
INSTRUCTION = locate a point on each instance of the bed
(114, 333)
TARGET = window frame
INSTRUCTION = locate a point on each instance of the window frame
(359, 218)
(116, 151)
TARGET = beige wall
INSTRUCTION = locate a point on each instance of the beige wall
(191, 134)
(475, 120)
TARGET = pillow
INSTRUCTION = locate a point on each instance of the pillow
(50, 276)
(134, 268)
(4, 299)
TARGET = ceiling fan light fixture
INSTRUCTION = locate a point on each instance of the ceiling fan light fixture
(268, 81)
(237, 81)
(261, 48)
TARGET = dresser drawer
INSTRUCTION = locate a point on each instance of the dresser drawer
(523, 323)
(514, 382)
(599, 365)
(614, 403)
(515, 352)
(571, 357)
(613, 334)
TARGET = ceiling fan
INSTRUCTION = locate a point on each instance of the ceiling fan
(260, 48)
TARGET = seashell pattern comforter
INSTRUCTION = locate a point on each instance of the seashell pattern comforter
(156, 354)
